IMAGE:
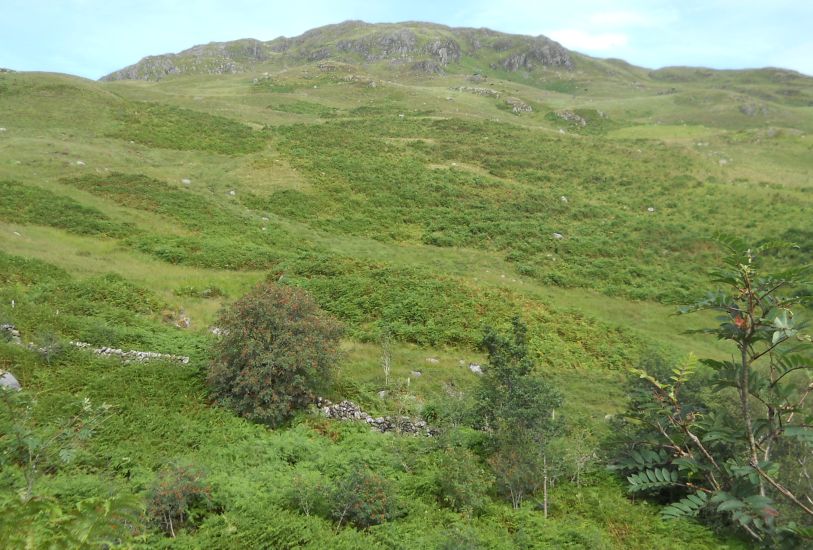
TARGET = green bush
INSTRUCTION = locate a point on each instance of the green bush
(179, 498)
(278, 349)
(462, 483)
(362, 499)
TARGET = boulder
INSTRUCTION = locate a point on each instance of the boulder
(7, 381)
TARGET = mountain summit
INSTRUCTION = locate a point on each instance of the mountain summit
(420, 47)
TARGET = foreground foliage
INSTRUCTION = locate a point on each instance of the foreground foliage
(738, 453)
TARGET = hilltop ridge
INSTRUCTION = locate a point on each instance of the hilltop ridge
(420, 47)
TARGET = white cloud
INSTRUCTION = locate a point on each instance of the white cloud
(575, 39)
(623, 19)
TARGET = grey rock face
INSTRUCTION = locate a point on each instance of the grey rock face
(542, 51)
(419, 46)
(445, 52)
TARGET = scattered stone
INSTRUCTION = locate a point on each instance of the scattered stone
(7, 381)
(349, 411)
(432, 360)
(80, 163)
(416, 374)
(475, 368)
(232, 192)
(186, 181)
(382, 394)
(264, 218)
(401, 115)
(563, 199)
(217, 331)
(650, 209)
(2, 129)
(558, 236)
(723, 162)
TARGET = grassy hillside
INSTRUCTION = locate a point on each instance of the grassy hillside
(404, 201)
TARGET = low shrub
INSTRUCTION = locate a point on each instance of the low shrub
(179, 498)
(362, 499)
(278, 348)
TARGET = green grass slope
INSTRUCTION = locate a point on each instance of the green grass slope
(400, 199)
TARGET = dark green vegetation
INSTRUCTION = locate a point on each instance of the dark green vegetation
(277, 353)
(741, 452)
(418, 213)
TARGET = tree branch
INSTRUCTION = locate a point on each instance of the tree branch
(790, 496)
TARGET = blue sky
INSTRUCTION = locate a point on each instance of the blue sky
(94, 37)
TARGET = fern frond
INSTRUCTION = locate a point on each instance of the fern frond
(686, 507)
(654, 478)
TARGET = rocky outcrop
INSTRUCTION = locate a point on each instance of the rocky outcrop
(421, 47)
(541, 51)
(444, 51)
(213, 58)
(349, 411)
(750, 109)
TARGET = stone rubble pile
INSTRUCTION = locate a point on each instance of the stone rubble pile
(570, 116)
(487, 92)
(10, 331)
(347, 410)
(518, 106)
(132, 355)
